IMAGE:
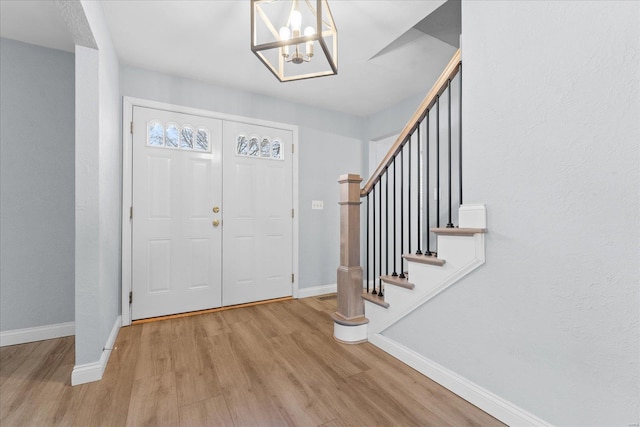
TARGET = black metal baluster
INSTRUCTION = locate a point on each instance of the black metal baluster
(395, 252)
(438, 161)
(380, 230)
(460, 132)
(367, 257)
(427, 190)
(409, 200)
(386, 229)
(373, 190)
(418, 193)
(450, 223)
(402, 276)
(386, 192)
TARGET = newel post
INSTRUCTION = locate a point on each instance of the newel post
(350, 325)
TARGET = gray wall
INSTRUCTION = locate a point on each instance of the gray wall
(329, 145)
(391, 121)
(36, 186)
(386, 122)
(98, 189)
(551, 126)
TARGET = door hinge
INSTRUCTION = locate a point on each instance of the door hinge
(131, 128)
(293, 148)
(293, 278)
(130, 297)
(131, 212)
(293, 212)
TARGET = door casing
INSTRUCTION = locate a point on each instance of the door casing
(127, 180)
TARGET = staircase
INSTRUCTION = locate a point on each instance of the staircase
(460, 251)
(409, 256)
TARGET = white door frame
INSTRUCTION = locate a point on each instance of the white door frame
(127, 180)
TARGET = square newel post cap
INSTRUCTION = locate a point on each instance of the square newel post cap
(350, 177)
(350, 189)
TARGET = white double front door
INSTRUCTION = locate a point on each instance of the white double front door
(212, 213)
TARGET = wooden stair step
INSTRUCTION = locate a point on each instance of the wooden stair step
(340, 319)
(454, 231)
(424, 259)
(397, 281)
(375, 299)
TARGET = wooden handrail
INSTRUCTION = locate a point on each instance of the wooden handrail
(428, 102)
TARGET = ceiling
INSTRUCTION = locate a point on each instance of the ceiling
(383, 59)
(36, 22)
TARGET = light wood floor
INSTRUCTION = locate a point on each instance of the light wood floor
(274, 364)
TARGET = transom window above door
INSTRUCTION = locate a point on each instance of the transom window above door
(259, 147)
(179, 137)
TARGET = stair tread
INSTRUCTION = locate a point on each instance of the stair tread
(454, 231)
(340, 319)
(397, 281)
(425, 259)
(375, 299)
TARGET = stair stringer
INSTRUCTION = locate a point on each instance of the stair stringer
(462, 254)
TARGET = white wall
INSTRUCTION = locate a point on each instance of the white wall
(98, 187)
(329, 146)
(36, 186)
(552, 131)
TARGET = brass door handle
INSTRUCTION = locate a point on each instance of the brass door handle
(216, 222)
(216, 209)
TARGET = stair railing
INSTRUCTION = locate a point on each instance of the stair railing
(411, 185)
(386, 246)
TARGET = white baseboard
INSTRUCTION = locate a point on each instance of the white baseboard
(492, 404)
(317, 290)
(38, 333)
(90, 372)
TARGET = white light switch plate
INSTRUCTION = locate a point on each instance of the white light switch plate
(317, 204)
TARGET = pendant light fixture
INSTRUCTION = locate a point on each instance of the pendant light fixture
(295, 39)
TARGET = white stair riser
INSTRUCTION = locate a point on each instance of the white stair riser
(472, 216)
(375, 314)
(402, 298)
(454, 249)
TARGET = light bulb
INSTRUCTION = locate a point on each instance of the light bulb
(285, 34)
(309, 31)
(296, 21)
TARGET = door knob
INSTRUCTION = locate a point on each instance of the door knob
(216, 209)
(216, 222)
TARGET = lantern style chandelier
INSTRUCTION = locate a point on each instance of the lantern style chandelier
(295, 39)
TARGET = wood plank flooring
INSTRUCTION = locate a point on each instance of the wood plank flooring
(268, 365)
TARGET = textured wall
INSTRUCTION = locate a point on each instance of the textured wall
(87, 209)
(98, 190)
(329, 145)
(36, 186)
(551, 125)
(110, 176)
